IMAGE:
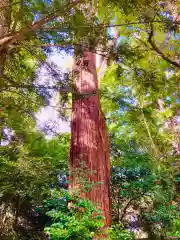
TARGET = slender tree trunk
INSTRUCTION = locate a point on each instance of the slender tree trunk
(89, 141)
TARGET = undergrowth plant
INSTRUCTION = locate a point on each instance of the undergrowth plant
(72, 217)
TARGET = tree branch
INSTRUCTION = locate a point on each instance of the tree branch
(125, 209)
(70, 46)
(22, 34)
(156, 49)
(129, 203)
(33, 87)
(12, 84)
(102, 25)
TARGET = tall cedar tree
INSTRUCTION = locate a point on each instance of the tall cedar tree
(4, 29)
(89, 139)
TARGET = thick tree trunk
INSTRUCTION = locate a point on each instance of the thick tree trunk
(89, 141)
(4, 28)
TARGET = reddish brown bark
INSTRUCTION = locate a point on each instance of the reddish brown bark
(89, 140)
(4, 28)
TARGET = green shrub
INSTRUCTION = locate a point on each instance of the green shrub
(118, 232)
(72, 218)
(175, 229)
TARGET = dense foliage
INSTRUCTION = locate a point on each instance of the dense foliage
(140, 99)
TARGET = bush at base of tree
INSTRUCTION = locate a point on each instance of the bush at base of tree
(72, 217)
(75, 218)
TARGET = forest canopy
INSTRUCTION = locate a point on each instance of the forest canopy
(116, 173)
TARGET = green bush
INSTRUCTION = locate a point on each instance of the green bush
(175, 229)
(118, 232)
(73, 218)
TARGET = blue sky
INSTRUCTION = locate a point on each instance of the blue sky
(50, 113)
